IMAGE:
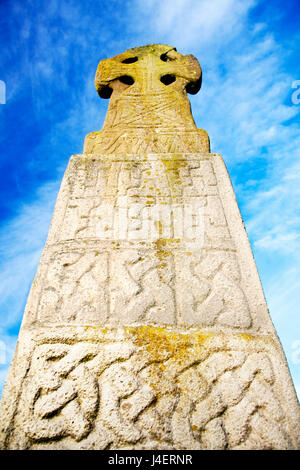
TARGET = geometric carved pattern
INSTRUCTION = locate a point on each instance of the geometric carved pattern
(137, 393)
(169, 257)
(74, 290)
(130, 286)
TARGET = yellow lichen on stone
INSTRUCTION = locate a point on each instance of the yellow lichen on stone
(148, 87)
(160, 342)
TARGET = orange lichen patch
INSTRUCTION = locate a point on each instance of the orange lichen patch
(246, 337)
(166, 245)
(150, 201)
(161, 343)
(96, 328)
(174, 163)
(172, 167)
(159, 226)
(163, 249)
(161, 253)
(167, 242)
(263, 338)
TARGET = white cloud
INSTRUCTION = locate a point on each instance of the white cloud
(274, 219)
(186, 22)
(21, 242)
(286, 242)
(7, 348)
(245, 106)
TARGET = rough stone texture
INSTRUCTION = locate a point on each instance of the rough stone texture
(148, 116)
(146, 326)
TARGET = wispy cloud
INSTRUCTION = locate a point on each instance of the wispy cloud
(189, 23)
(274, 209)
(21, 241)
(7, 349)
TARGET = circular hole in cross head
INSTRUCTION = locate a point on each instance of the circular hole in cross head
(167, 79)
(130, 60)
(193, 87)
(105, 92)
(127, 79)
(164, 58)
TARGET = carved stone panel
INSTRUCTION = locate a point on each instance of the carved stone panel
(147, 388)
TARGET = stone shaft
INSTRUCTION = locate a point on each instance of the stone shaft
(146, 326)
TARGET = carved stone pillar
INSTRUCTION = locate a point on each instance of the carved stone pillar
(146, 326)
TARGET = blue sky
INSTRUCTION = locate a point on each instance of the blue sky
(249, 53)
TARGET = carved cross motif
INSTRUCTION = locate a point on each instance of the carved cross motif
(148, 69)
(148, 87)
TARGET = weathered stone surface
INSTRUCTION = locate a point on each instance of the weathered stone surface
(146, 326)
(148, 387)
(149, 111)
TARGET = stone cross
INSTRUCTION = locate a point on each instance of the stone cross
(148, 87)
(148, 70)
(146, 326)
